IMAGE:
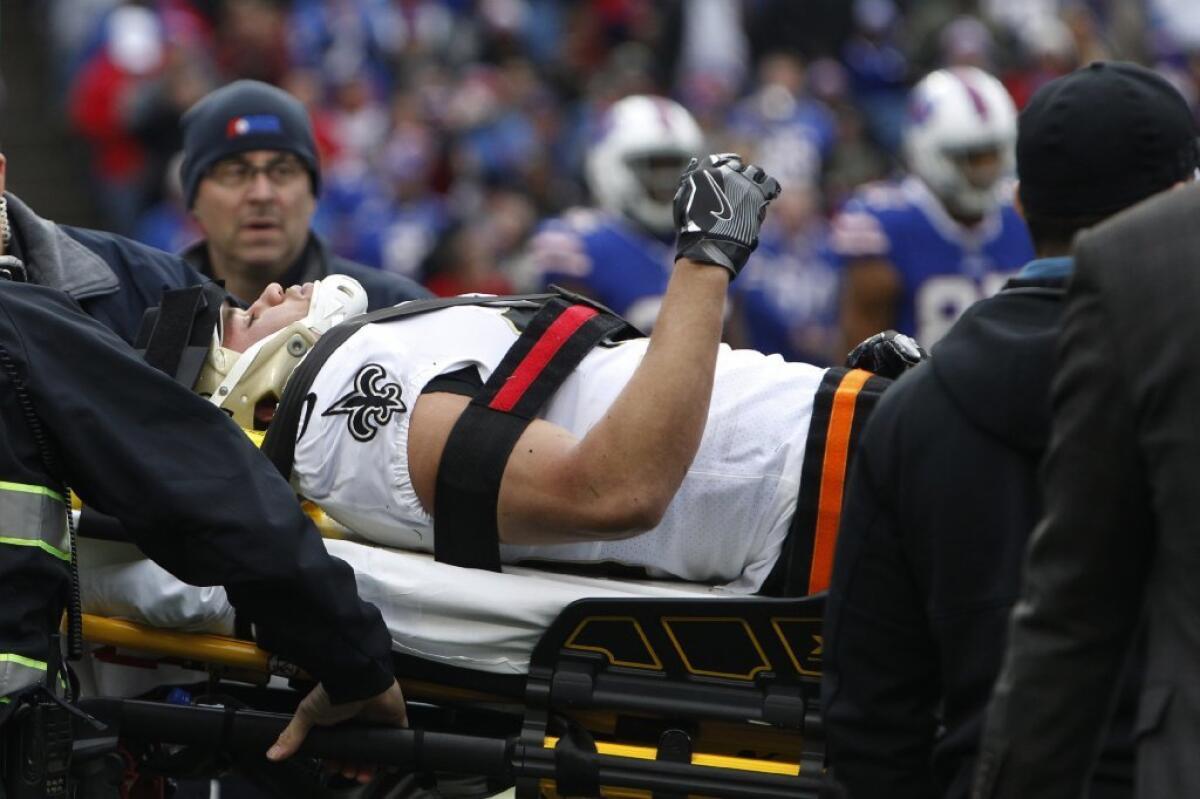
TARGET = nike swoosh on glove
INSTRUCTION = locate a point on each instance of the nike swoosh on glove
(719, 208)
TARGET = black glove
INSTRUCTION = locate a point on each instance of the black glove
(719, 207)
(887, 354)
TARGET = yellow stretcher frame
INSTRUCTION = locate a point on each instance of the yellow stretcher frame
(245, 661)
(245, 656)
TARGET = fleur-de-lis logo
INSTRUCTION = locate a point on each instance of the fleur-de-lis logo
(371, 404)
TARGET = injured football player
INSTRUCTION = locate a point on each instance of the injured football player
(500, 430)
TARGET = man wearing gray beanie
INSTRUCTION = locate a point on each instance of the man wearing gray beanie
(251, 177)
(945, 492)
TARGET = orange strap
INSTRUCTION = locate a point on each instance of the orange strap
(833, 477)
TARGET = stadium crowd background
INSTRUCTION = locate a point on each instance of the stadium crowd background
(449, 128)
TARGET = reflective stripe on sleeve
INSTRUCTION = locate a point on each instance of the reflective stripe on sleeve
(34, 516)
(18, 672)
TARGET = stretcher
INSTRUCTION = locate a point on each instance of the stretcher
(574, 685)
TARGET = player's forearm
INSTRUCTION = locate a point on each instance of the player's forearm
(621, 477)
(651, 434)
(644, 445)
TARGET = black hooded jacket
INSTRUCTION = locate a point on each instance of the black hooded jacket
(78, 406)
(942, 500)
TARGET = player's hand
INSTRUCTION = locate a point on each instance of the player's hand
(887, 354)
(317, 709)
(719, 207)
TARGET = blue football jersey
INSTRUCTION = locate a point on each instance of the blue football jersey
(944, 266)
(787, 296)
(606, 258)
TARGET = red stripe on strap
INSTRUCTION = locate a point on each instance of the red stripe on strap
(560, 330)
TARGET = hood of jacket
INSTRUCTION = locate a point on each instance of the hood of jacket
(55, 259)
(997, 362)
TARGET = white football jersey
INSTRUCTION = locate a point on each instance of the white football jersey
(726, 524)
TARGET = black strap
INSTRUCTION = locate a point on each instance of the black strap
(464, 382)
(789, 576)
(280, 441)
(176, 336)
(481, 441)
(608, 569)
(575, 771)
(674, 746)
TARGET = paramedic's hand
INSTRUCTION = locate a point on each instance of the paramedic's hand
(887, 354)
(316, 709)
(719, 207)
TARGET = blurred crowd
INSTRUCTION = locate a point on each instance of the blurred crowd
(449, 129)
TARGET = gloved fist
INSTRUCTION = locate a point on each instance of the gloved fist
(719, 207)
(887, 354)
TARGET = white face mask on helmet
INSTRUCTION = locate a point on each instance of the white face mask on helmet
(247, 385)
(633, 168)
(954, 113)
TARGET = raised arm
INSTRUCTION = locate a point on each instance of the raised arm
(619, 478)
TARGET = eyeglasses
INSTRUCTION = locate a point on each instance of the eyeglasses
(236, 174)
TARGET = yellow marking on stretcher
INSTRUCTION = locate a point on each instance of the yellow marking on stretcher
(257, 436)
(698, 758)
(194, 646)
(221, 650)
(234, 653)
(764, 661)
(787, 645)
(654, 665)
(326, 526)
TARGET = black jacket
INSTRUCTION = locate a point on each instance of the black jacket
(113, 278)
(943, 497)
(189, 486)
(384, 289)
(1118, 543)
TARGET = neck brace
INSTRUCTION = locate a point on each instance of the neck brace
(238, 382)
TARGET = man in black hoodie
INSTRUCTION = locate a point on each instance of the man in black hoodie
(945, 492)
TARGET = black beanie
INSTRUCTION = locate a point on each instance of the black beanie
(1101, 139)
(243, 116)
